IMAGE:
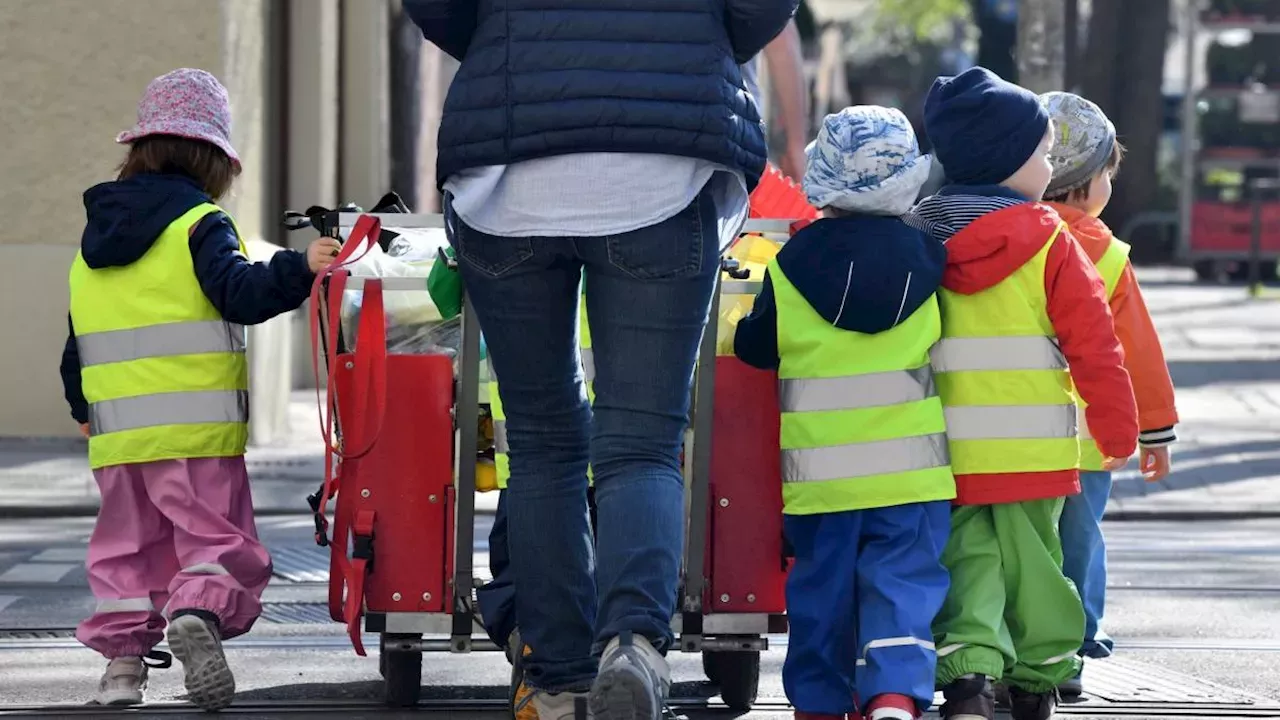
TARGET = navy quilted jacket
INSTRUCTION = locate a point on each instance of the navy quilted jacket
(552, 77)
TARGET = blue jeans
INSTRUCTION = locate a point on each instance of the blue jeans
(648, 293)
(1084, 555)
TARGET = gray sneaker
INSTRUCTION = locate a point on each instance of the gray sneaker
(198, 646)
(123, 683)
(562, 706)
(633, 681)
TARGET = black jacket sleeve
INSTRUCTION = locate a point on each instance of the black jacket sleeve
(246, 293)
(755, 342)
(71, 385)
(755, 23)
(448, 24)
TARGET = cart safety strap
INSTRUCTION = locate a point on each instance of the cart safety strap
(361, 563)
(368, 378)
(364, 421)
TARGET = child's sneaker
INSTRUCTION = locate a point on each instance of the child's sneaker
(1072, 687)
(892, 706)
(196, 642)
(562, 706)
(123, 683)
(969, 698)
(632, 683)
(1025, 705)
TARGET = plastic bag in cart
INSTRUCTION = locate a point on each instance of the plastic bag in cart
(413, 322)
(753, 252)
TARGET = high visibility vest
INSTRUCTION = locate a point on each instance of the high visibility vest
(1003, 379)
(862, 424)
(165, 376)
(1111, 267)
(501, 460)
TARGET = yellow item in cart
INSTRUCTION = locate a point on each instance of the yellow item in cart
(486, 475)
(753, 252)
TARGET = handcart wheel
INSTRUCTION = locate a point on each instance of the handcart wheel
(710, 668)
(402, 674)
(737, 672)
(382, 655)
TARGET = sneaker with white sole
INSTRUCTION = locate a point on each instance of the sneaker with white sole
(123, 683)
(633, 681)
(560, 706)
(198, 646)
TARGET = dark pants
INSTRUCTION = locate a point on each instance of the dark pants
(497, 599)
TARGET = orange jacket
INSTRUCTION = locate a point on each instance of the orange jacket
(1143, 356)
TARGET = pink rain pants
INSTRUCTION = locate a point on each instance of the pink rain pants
(172, 535)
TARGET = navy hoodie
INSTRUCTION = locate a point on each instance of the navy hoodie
(863, 273)
(126, 217)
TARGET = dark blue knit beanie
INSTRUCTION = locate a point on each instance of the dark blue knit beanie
(982, 128)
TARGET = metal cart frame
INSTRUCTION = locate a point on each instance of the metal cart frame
(730, 642)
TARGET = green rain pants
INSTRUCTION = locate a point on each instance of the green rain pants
(1010, 613)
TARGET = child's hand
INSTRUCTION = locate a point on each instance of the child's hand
(321, 252)
(1112, 464)
(1155, 463)
(84, 429)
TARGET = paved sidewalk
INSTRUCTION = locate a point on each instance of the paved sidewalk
(1223, 350)
(1224, 353)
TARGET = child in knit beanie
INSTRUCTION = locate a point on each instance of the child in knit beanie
(1020, 303)
(1084, 156)
(847, 315)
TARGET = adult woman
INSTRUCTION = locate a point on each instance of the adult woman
(588, 137)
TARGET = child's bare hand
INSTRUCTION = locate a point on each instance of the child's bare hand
(1112, 464)
(1155, 463)
(321, 252)
(84, 429)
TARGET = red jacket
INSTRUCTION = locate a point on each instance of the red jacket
(989, 250)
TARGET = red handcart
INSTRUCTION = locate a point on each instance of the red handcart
(404, 432)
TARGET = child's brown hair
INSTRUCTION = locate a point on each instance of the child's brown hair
(1080, 193)
(203, 162)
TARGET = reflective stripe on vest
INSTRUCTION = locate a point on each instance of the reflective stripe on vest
(1111, 267)
(856, 391)
(1003, 378)
(864, 459)
(165, 376)
(862, 424)
(1010, 422)
(183, 408)
(180, 338)
(963, 354)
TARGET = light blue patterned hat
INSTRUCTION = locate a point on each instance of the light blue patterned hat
(866, 160)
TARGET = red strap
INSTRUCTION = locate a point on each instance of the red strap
(362, 239)
(354, 608)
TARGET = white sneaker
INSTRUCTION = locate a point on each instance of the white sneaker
(206, 675)
(633, 681)
(123, 683)
(563, 706)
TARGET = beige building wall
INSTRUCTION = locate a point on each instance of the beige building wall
(71, 72)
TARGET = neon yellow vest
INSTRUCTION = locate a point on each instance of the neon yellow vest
(1004, 381)
(862, 424)
(164, 374)
(1110, 266)
(501, 460)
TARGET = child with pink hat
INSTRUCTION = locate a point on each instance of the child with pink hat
(155, 373)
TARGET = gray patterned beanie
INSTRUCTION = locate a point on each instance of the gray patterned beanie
(1083, 140)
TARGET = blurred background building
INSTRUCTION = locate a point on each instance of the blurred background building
(339, 100)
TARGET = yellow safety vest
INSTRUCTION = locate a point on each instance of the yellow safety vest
(862, 424)
(1003, 379)
(1110, 266)
(165, 376)
(501, 460)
